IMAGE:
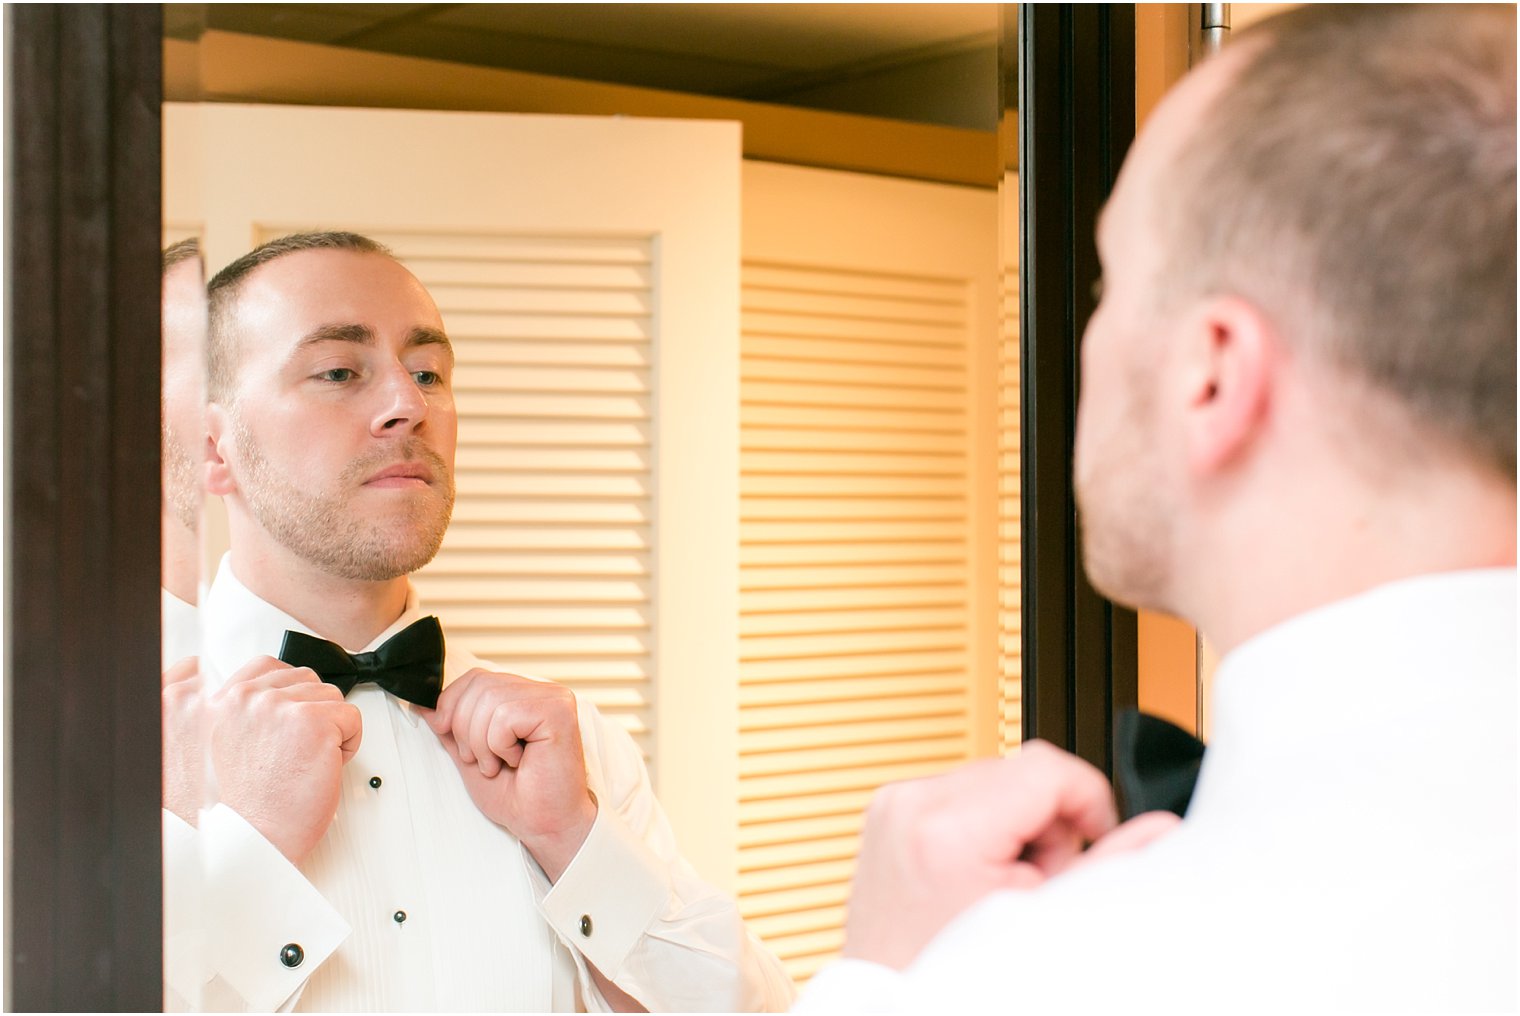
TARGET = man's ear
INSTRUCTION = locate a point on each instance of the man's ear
(1229, 368)
(219, 479)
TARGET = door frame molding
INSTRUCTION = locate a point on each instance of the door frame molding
(1076, 120)
(83, 848)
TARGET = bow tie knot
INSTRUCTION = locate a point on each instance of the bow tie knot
(1156, 764)
(409, 664)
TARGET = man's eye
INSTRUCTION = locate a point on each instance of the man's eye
(337, 375)
(427, 378)
(1097, 289)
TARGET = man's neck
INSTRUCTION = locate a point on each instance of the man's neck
(178, 559)
(1326, 545)
(350, 612)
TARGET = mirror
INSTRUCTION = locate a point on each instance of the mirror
(819, 481)
(183, 317)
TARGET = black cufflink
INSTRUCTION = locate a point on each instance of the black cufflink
(292, 955)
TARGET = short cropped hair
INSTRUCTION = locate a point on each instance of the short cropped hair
(1356, 181)
(180, 252)
(222, 291)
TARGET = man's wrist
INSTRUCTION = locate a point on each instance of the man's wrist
(554, 851)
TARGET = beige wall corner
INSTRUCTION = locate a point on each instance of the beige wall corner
(1168, 669)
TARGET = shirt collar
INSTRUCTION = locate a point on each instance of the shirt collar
(238, 625)
(1326, 693)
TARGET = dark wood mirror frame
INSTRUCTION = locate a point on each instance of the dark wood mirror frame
(84, 85)
(82, 340)
(1076, 121)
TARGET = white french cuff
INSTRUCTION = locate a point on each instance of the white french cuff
(609, 896)
(184, 912)
(263, 905)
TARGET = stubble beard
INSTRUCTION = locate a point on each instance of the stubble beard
(330, 532)
(1124, 513)
(182, 486)
(1124, 550)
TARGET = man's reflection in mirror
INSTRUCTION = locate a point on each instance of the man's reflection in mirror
(184, 326)
(183, 315)
(401, 826)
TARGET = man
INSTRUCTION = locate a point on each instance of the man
(184, 326)
(183, 398)
(503, 850)
(1297, 429)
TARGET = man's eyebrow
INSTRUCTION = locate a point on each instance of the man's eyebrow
(338, 333)
(423, 336)
(365, 336)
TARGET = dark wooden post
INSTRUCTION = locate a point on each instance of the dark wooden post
(82, 403)
(1076, 121)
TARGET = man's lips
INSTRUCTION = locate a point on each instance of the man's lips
(401, 475)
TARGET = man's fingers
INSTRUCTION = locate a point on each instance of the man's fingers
(258, 667)
(350, 726)
(492, 718)
(441, 719)
(463, 718)
(486, 707)
(480, 743)
(182, 670)
(286, 676)
(1054, 849)
(1054, 787)
(268, 672)
(505, 741)
(498, 733)
(1140, 831)
(308, 691)
(1022, 875)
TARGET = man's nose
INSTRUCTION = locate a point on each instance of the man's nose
(403, 405)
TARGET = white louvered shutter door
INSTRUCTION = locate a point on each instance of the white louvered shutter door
(587, 273)
(867, 304)
(1010, 510)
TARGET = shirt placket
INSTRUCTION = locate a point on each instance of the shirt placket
(378, 786)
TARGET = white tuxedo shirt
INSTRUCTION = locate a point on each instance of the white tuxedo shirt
(179, 631)
(1351, 844)
(414, 900)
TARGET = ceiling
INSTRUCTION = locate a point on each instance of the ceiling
(881, 59)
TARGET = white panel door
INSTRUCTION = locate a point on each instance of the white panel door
(868, 533)
(587, 272)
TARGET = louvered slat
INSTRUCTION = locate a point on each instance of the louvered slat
(1010, 623)
(854, 575)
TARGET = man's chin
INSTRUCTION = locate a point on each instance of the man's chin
(1139, 588)
(384, 563)
(392, 544)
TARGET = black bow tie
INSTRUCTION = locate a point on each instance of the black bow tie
(409, 664)
(1156, 764)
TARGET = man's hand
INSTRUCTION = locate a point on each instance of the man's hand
(279, 740)
(935, 846)
(518, 747)
(184, 765)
